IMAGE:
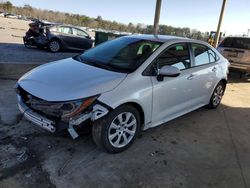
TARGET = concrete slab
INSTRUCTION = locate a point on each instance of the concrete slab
(9, 113)
(15, 70)
(16, 60)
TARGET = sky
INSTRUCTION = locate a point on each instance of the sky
(195, 14)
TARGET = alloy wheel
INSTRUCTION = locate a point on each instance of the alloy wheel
(122, 129)
(218, 93)
(54, 46)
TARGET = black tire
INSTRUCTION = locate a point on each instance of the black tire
(212, 104)
(55, 45)
(101, 129)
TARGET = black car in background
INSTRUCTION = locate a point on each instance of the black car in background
(57, 37)
(68, 38)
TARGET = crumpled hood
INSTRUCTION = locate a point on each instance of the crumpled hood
(69, 79)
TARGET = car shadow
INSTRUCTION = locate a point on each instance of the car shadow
(237, 77)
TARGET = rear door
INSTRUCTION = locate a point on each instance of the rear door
(66, 36)
(205, 68)
(82, 39)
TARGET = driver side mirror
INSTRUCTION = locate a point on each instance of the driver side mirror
(167, 71)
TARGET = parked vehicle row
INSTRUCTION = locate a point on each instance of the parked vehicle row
(123, 86)
(15, 16)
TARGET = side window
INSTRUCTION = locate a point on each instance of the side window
(79, 32)
(177, 56)
(53, 29)
(203, 55)
(212, 56)
(65, 30)
(151, 47)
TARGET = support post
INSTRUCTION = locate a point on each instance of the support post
(157, 17)
(219, 24)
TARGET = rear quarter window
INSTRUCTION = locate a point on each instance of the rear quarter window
(53, 29)
(203, 55)
(213, 57)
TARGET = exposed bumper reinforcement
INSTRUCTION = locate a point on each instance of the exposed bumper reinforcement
(34, 117)
(98, 112)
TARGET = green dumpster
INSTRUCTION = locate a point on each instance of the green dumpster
(102, 36)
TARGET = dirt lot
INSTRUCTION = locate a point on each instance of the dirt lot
(203, 149)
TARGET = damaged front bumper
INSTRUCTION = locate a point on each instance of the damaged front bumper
(35, 118)
(97, 112)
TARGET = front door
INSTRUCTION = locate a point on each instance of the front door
(66, 34)
(82, 39)
(172, 96)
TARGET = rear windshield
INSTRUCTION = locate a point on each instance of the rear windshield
(242, 43)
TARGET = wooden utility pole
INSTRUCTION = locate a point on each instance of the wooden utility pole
(157, 17)
(219, 24)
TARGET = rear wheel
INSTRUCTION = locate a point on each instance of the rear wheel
(217, 95)
(117, 131)
(54, 45)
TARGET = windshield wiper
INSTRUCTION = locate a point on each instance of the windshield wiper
(78, 58)
(92, 62)
(107, 66)
(119, 68)
(101, 65)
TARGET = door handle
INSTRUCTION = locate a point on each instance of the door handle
(191, 77)
(214, 69)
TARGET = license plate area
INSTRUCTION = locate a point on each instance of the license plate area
(233, 54)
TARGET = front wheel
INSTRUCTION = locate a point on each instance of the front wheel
(116, 132)
(217, 95)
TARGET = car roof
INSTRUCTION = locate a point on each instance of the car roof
(238, 37)
(158, 38)
(66, 25)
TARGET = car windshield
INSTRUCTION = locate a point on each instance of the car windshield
(124, 54)
(241, 43)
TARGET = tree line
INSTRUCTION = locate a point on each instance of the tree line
(98, 22)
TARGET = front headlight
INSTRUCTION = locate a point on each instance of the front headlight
(63, 110)
(70, 109)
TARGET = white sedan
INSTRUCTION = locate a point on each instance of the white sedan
(124, 86)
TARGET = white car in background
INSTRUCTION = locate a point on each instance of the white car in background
(237, 51)
(124, 86)
(9, 15)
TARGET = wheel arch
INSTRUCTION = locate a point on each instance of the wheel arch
(224, 81)
(139, 108)
(55, 38)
